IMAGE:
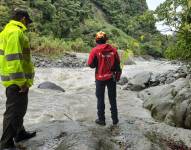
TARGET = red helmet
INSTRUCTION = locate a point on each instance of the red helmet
(101, 35)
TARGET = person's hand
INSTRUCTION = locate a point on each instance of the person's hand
(117, 76)
(24, 88)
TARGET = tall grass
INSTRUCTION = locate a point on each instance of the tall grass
(48, 45)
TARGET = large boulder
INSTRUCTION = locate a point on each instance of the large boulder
(51, 86)
(139, 82)
(170, 103)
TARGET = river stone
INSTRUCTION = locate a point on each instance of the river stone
(180, 111)
(187, 122)
(154, 81)
(140, 81)
(50, 85)
(170, 80)
(160, 112)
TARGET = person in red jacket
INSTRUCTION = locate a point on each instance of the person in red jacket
(106, 60)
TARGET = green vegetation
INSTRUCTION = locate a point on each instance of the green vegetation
(177, 14)
(62, 25)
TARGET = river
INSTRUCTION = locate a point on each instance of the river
(78, 103)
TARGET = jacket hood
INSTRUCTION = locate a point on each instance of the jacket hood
(17, 23)
(104, 47)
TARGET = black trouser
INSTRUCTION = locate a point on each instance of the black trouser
(16, 106)
(100, 94)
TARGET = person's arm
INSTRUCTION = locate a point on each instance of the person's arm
(28, 65)
(92, 61)
(118, 69)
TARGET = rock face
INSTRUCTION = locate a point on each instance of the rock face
(170, 103)
(139, 81)
(50, 85)
(131, 134)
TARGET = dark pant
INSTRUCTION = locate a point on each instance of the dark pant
(16, 106)
(100, 94)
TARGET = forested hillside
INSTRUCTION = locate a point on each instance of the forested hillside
(71, 25)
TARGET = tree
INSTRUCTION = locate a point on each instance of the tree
(177, 14)
(4, 15)
(174, 13)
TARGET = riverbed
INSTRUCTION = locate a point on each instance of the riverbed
(77, 106)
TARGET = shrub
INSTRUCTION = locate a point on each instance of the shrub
(49, 45)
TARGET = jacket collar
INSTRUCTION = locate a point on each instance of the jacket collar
(20, 24)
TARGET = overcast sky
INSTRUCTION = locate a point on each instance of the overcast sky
(152, 4)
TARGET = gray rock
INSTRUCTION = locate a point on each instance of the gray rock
(140, 81)
(170, 103)
(169, 80)
(132, 134)
(50, 85)
(162, 79)
(154, 81)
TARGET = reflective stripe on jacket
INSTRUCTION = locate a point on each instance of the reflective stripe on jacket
(15, 58)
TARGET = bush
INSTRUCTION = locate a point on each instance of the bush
(49, 45)
(148, 49)
(180, 48)
(4, 15)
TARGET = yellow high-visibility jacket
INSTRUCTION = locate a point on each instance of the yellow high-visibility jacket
(15, 59)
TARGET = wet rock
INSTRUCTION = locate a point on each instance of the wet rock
(172, 75)
(50, 85)
(169, 80)
(139, 82)
(170, 103)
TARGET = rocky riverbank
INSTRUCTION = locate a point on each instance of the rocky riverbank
(146, 79)
(70, 60)
(65, 120)
(167, 95)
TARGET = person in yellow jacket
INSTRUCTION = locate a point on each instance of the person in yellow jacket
(17, 73)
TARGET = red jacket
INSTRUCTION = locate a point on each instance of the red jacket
(106, 60)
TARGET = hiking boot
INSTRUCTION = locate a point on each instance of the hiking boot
(10, 148)
(24, 136)
(100, 122)
(6, 146)
(115, 122)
